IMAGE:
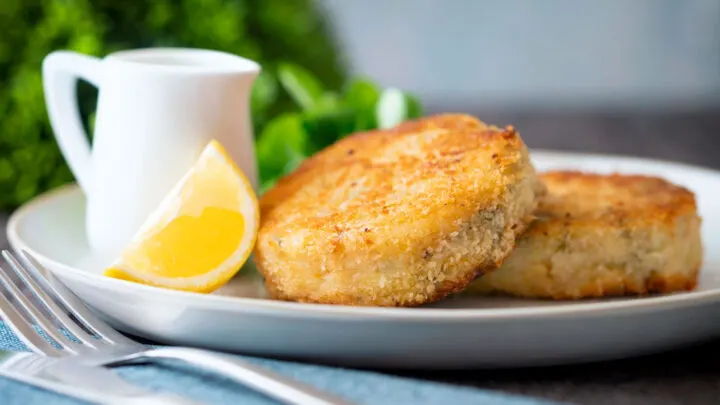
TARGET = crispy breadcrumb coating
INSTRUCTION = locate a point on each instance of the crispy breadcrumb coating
(398, 217)
(604, 235)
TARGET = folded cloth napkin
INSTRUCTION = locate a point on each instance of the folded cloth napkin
(360, 387)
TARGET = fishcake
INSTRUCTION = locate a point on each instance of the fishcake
(603, 235)
(397, 217)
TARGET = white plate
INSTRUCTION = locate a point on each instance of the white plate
(461, 332)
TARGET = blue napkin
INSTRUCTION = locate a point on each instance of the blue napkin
(360, 387)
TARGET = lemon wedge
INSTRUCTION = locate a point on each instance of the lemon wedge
(201, 233)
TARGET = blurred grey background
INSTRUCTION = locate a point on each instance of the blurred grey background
(638, 77)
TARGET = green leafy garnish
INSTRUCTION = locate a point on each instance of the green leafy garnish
(391, 109)
(264, 94)
(301, 85)
(321, 117)
(415, 109)
(362, 95)
(282, 145)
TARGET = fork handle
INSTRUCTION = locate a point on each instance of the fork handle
(158, 399)
(274, 385)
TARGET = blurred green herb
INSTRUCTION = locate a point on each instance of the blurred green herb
(323, 116)
(269, 31)
(301, 102)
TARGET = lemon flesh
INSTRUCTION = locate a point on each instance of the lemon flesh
(200, 235)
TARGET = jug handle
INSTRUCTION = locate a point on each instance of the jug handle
(61, 71)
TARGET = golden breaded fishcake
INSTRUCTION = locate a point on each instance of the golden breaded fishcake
(397, 217)
(603, 235)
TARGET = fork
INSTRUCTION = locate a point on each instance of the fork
(96, 343)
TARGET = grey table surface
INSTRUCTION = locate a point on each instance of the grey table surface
(684, 376)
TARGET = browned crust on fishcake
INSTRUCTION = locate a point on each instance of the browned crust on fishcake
(604, 235)
(614, 200)
(397, 217)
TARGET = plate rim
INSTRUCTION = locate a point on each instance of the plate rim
(309, 310)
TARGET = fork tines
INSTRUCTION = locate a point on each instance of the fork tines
(46, 306)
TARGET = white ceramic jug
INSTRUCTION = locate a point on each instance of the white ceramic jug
(157, 109)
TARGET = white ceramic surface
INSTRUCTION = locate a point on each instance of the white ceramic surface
(461, 332)
(157, 109)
